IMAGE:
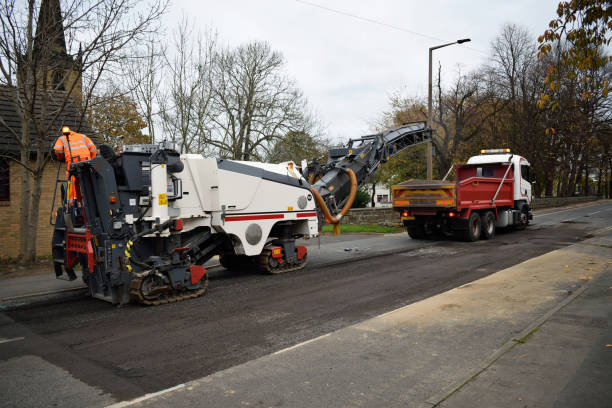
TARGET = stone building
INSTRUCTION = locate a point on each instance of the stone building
(60, 87)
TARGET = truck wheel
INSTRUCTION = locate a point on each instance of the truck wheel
(488, 225)
(474, 227)
(416, 231)
(524, 217)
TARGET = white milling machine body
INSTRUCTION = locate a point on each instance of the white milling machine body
(243, 200)
(149, 218)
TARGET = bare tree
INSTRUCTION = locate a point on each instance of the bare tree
(186, 105)
(462, 113)
(46, 74)
(144, 78)
(255, 103)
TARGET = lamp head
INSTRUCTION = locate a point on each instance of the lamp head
(464, 40)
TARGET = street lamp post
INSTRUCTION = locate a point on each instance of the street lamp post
(429, 113)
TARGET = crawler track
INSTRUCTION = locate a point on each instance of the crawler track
(267, 264)
(170, 296)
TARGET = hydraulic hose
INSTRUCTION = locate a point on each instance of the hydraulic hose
(330, 219)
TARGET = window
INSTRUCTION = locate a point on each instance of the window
(525, 173)
(484, 172)
(487, 172)
(382, 198)
(5, 191)
(58, 81)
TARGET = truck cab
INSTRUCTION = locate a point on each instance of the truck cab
(521, 170)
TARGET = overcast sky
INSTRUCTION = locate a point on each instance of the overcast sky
(348, 67)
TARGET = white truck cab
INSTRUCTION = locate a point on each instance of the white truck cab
(521, 169)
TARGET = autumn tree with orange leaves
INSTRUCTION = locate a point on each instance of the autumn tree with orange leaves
(116, 121)
(573, 49)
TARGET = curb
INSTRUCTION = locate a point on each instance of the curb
(35, 295)
(42, 294)
(438, 398)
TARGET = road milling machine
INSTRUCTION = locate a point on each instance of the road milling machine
(147, 219)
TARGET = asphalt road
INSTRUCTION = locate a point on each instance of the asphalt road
(133, 350)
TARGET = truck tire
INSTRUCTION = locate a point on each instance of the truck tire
(474, 228)
(488, 225)
(416, 231)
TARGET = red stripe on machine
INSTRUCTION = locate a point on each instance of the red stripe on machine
(255, 217)
(308, 214)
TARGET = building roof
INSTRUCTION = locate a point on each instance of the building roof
(50, 28)
(70, 116)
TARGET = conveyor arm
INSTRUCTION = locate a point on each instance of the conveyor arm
(363, 156)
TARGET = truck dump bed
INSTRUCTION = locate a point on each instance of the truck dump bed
(475, 188)
(424, 194)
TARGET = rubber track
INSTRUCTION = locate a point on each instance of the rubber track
(264, 265)
(136, 294)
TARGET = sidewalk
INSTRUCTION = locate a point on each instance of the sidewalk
(566, 362)
(15, 291)
(20, 288)
(531, 335)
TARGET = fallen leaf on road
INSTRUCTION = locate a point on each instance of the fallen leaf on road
(566, 270)
(523, 355)
(590, 277)
(584, 278)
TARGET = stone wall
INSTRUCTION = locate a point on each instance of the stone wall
(373, 216)
(389, 217)
(548, 202)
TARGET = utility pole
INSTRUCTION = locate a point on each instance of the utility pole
(429, 103)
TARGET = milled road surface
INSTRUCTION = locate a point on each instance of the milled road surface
(134, 350)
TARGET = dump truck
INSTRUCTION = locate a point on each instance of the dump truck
(492, 190)
(148, 218)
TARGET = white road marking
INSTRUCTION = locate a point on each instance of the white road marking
(3, 340)
(566, 210)
(301, 344)
(145, 397)
(572, 219)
